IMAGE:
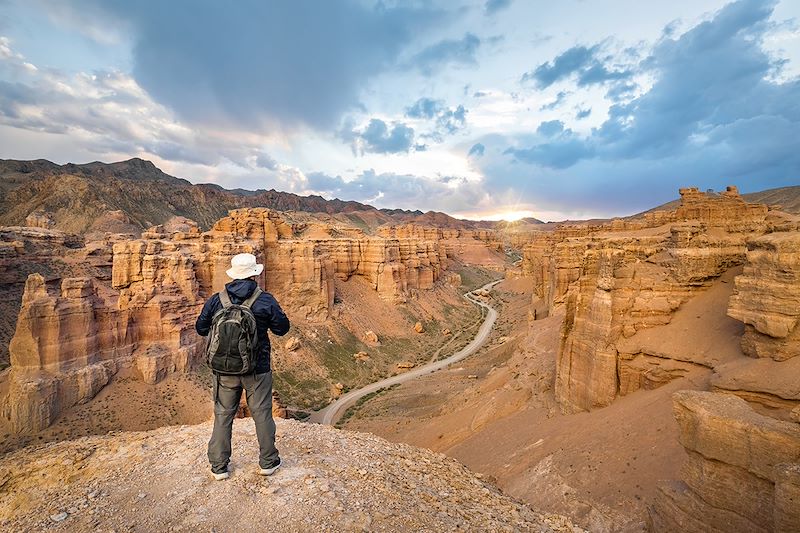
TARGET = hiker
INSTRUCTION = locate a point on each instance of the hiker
(238, 353)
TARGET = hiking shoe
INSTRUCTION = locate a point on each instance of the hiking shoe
(271, 470)
(219, 476)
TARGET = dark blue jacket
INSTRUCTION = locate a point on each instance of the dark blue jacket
(269, 316)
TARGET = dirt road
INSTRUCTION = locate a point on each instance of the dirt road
(333, 412)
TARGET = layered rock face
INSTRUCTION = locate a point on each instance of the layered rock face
(66, 347)
(625, 282)
(53, 254)
(57, 353)
(742, 472)
(728, 210)
(300, 270)
(625, 276)
(474, 246)
(767, 297)
(554, 262)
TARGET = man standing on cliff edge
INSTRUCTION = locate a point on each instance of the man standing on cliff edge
(238, 352)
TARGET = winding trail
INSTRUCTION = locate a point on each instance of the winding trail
(330, 414)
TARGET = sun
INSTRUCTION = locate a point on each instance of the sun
(512, 215)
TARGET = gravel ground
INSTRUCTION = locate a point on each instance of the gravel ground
(330, 480)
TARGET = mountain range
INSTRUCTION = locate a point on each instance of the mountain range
(80, 198)
(129, 196)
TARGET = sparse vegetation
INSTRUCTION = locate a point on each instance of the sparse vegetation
(473, 277)
(361, 401)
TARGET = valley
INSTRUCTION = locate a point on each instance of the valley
(605, 371)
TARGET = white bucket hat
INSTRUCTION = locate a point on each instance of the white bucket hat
(243, 266)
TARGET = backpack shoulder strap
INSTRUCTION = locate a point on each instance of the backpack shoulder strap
(252, 299)
(224, 298)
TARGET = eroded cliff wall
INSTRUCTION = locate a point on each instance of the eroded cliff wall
(68, 345)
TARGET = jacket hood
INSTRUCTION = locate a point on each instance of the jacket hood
(241, 288)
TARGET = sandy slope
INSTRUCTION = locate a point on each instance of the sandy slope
(496, 413)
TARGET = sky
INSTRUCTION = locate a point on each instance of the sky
(482, 109)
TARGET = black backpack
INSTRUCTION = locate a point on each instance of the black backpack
(231, 347)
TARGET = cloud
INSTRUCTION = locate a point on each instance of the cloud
(403, 191)
(493, 6)
(451, 120)
(583, 113)
(578, 60)
(264, 160)
(559, 148)
(599, 73)
(562, 66)
(715, 114)
(550, 128)
(477, 150)
(254, 64)
(620, 91)
(448, 51)
(380, 138)
(107, 112)
(425, 108)
(447, 121)
(560, 97)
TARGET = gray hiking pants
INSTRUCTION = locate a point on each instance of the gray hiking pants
(258, 388)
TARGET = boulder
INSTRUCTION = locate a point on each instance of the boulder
(293, 344)
(370, 337)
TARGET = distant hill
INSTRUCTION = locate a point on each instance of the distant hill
(78, 198)
(788, 198)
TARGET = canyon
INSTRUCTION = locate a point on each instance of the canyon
(620, 316)
(68, 343)
(643, 372)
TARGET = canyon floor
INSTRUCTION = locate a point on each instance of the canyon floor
(496, 413)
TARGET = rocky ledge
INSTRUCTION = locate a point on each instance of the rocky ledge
(331, 480)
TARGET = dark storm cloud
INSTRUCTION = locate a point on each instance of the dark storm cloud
(251, 61)
(449, 51)
(715, 114)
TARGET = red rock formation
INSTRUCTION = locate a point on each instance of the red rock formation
(767, 297)
(301, 270)
(67, 347)
(57, 353)
(624, 276)
(742, 472)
